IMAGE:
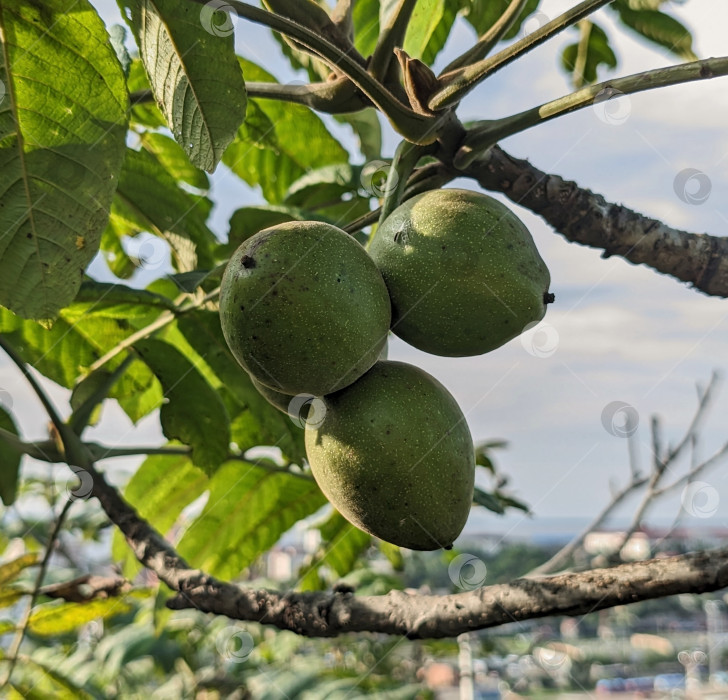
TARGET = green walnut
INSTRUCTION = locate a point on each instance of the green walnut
(303, 308)
(275, 398)
(462, 270)
(393, 454)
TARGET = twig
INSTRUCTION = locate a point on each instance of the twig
(160, 322)
(407, 122)
(483, 136)
(80, 418)
(391, 36)
(488, 40)
(14, 647)
(37, 388)
(693, 473)
(405, 159)
(661, 465)
(461, 81)
(343, 17)
(562, 557)
(72, 444)
(582, 53)
(332, 96)
(87, 587)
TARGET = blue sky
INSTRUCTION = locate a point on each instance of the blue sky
(617, 332)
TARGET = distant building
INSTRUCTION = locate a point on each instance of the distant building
(636, 548)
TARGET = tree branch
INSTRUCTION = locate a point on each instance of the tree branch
(488, 40)
(414, 127)
(583, 217)
(14, 648)
(343, 17)
(415, 616)
(87, 587)
(458, 83)
(428, 616)
(559, 560)
(485, 134)
(332, 97)
(391, 36)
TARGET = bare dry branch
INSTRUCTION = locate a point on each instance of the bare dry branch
(87, 587)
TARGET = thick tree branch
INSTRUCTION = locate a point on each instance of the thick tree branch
(416, 616)
(582, 216)
(428, 616)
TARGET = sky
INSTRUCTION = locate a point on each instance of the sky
(616, 333)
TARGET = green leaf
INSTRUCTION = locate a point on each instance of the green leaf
(249, 508)
(160, 489)
(117, 39)
(117, 259)
(366, 26)
(497, 501)
(286, 156)
(368, 130)
(190, 59)
(483, 14)
(86, 408)
(247, 221)
(425, 18)
(79, 338)
(150, 199)
(145, 113)
(190, 281)
(255, 422)
(322, 185)
(488, 500)
(598, 52)
(429, 28)
(342, 546)
(659, 28)
(257, 129)
(46, 680)
(511, 502)
(330, 194)
(61, 146)
(174, 160)
(115, 301)
(393, 554)
(193, 411)
(50, 619)
(9, 461)
(10, 570)
(9, 595)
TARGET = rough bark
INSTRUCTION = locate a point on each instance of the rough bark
(582, 216)
(327, 614)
